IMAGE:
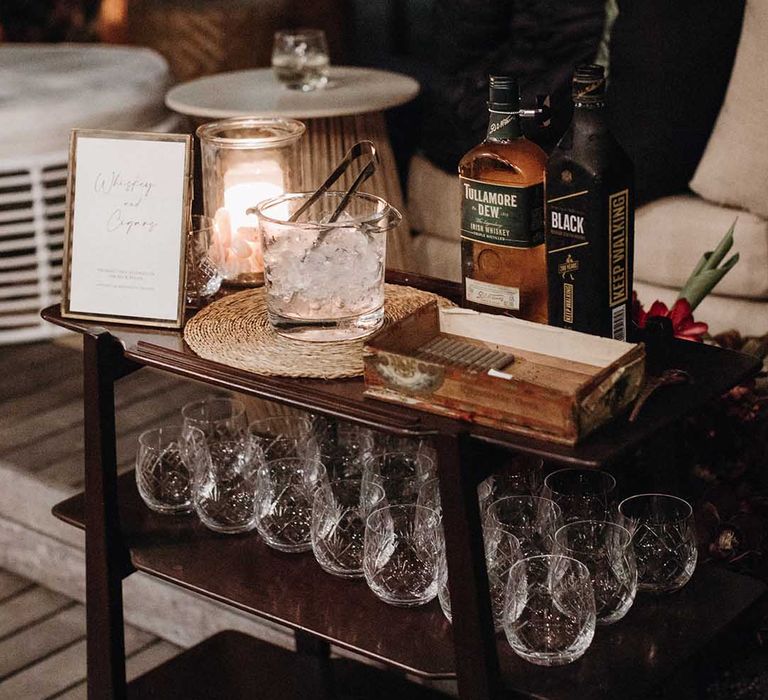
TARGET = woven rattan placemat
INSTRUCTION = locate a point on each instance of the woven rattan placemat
(235, 331)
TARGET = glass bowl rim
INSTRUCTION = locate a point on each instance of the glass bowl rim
(387, 211)
(686, 504)
(581, 566)
(327, 484)
(237, 406)
(604, 473)
(300, 31)
(275, 418)
(293, 129)
(179, 428)
(415, 507)
(610, 523)
(557, 510)
(421, 460)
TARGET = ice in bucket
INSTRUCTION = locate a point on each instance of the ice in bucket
(325, 281)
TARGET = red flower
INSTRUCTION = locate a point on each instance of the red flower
(680, 314)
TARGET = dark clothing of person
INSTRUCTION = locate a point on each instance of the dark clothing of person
(538, 41)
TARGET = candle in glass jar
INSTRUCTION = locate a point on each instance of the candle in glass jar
(245, 160)
(238, 232)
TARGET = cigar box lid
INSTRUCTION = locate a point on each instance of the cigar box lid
(533, 337)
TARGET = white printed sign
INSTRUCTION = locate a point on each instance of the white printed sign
(128, 200)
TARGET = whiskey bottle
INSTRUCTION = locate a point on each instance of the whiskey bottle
(503, 260)
(590, 219)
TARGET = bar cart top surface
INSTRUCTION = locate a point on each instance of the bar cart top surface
(713, 371)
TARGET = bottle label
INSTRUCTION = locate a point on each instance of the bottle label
(503, 126)
(618, 234)
(492, 294)
(588, 239)
(502, 214)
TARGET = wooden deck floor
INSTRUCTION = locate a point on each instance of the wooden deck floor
(42, 644)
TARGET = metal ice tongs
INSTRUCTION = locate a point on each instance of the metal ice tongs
(361, 148)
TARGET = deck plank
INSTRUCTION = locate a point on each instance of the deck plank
(150, 657)
(61, 670)
(41, 423)
(57, 393)
(35, 365)
(55, 424)
(42, 639)
(11, 584)
(43, 653)
(56, 448)
(50, 676)
(68, 469)
(142, 661)
(28, 607)
(76, 692)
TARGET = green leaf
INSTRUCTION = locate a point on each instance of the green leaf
(708, 272)
(702, 284)
(723, 247)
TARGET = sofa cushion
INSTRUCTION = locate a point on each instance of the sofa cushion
(670, 65)
(434, 214)
(672, 233)
(734, 168)
(46, 90)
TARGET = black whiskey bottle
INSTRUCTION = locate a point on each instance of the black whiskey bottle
(589, 219)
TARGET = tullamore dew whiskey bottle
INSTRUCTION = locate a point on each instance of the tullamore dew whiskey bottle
(503, 260)
(590, 219)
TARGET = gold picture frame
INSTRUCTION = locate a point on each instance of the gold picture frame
(96, 284)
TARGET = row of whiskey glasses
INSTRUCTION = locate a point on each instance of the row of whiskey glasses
(304, 483)
(660, 526)
(368, 522)
(228, 471)
(369, 506)
(560, 562)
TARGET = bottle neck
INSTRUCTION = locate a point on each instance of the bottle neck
(590, 116)
(503, 126)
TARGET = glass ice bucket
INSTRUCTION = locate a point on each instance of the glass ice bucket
(325, 281)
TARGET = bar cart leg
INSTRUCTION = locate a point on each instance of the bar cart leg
(477, 661)
(320, 682)
(105, 557)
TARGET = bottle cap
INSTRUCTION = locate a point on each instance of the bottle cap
(503, 94)
(588, 83)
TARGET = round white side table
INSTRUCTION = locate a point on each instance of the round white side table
(349, 109)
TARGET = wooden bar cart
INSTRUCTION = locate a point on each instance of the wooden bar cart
(628, 659)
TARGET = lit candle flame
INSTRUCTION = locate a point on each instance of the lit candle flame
(238, 245)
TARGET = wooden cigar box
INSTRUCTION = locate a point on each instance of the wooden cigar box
(528, 378)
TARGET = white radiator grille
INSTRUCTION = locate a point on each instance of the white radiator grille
(32, 204)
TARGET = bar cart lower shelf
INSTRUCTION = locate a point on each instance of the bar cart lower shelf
(233, 666)
(628, 659)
